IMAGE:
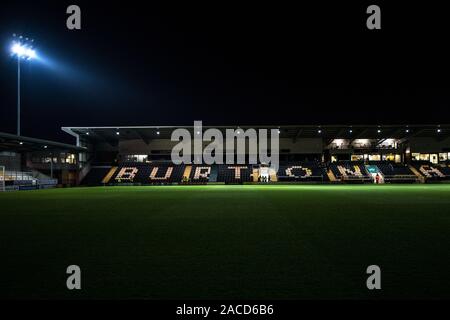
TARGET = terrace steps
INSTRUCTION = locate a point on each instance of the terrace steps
(109, 175)
(417, 173)
(187, 172)
(331, 176)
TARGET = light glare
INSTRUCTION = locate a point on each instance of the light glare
(23, 51)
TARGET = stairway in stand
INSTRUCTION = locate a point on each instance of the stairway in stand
(417, 173)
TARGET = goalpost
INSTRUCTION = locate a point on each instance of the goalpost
(2, 178)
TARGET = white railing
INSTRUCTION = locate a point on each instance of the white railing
(18, 176)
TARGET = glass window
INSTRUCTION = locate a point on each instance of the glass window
(434, 158)
(443, 157)
(70, 158)
(374, 157)
(415, 156)
(357, 157)
(424, 157)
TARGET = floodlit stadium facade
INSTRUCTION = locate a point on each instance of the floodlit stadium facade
(307, 153)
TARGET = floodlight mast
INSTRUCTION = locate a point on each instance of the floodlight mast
(23, 50)
(18, 95)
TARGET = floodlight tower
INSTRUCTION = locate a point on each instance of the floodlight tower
(22, 48)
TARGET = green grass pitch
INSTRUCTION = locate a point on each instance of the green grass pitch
(259, 242)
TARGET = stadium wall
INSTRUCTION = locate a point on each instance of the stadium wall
(429, 145)
(302, 146)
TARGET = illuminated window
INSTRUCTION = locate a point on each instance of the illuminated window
(443, 157)
(434, 158)
(357, 157)
(415, 156)
(389, 157)
(70, 158)
(424, 157)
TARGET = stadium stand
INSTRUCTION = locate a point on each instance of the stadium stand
(20, 180)
(95, 175)
(394, 172)
(199, 174)
(148, 173)
(302, 171)
(432, 172)
(348, 171)
(234, 173)
(307, 153)
(306, 171)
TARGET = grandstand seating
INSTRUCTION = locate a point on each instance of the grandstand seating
(148, 173)
(234, 173)
(347, 171)
(95, 176)
(433, 172)
(350, 171)
(200, 174)
(394, 172)
(302, 171)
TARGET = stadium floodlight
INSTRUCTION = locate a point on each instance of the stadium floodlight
(22, 48)
(22, 51)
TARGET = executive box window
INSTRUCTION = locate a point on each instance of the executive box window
(431, 157)
(357, 157)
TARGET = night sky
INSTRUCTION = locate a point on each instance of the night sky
(224, 63)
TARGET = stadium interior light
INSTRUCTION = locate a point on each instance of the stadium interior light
(87, 133)
(379, 131)
(350, 130)
(157, 132)
(319, 131)
(117, 132)
(438, 130)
